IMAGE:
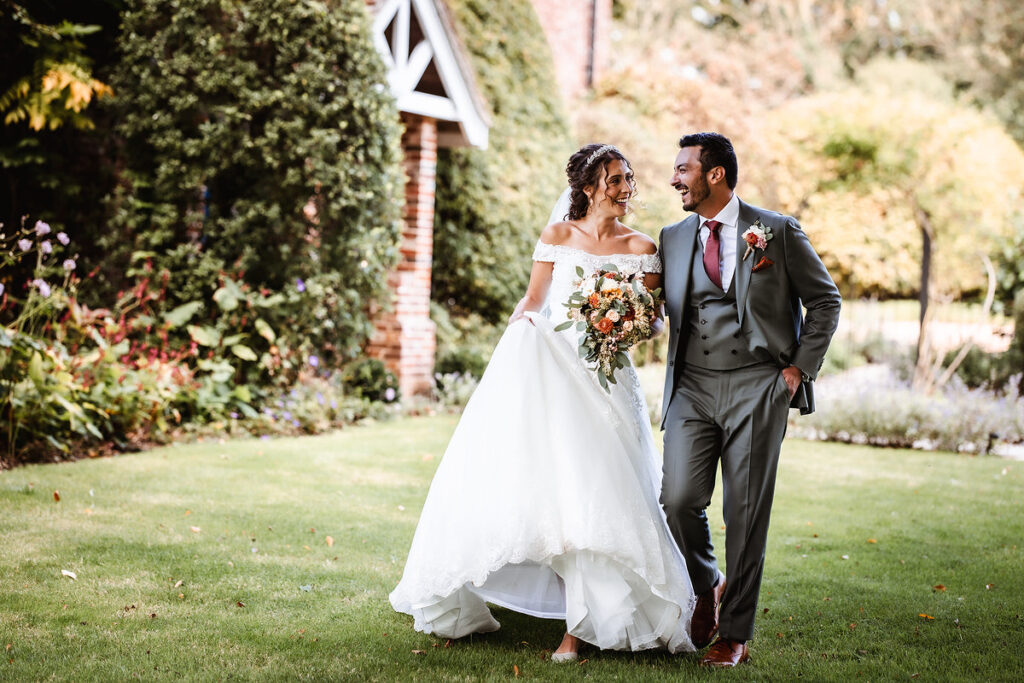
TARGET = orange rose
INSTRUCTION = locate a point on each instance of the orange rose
(604, 325)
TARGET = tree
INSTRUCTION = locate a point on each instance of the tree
(259, 140)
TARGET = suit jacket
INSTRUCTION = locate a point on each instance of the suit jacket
(770, 302)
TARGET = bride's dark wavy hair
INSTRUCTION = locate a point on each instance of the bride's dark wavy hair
(581, 174)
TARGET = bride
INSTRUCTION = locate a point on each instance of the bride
(546, 500)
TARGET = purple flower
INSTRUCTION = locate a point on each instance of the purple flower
(295, 423)
(63, 238)
(46, 247)
(319, 396)
(69, 264)
(41, 285)
(389, 394)
(42, 228)
(24, 245)
(314, 361)
(265, 437)
(334, 404)
(234, 416)
(300, 285)
(286, 415)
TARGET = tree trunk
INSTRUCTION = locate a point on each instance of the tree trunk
(923, 365)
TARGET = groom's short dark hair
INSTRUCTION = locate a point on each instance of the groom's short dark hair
(715, 150)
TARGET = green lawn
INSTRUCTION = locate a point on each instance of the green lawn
(211, 561)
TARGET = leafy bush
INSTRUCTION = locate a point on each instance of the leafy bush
(454, 389)
(259, 139)
(492, 204)
(369, 378)
(462, 362)
(871, 405)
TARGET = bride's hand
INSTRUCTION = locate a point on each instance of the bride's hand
(519, 315)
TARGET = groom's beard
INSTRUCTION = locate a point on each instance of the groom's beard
(697, 194)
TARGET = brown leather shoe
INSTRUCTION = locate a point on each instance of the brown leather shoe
(704, 623)
(725, 654)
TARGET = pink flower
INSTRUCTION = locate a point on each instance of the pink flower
(24, 245)
(63, 238)
(46, 247)
(69, 264)
(42, 228)
(44, 289)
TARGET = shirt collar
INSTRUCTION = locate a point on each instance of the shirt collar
(729, 215)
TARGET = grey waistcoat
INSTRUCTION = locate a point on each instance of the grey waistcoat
(715, 340)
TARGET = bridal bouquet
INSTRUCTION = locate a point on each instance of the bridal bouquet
(613, 312)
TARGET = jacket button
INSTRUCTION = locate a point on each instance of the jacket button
(676, 331)
(703, 336)
(671, 363)
(735, 335)
(703, 322)
(706, 352)
(734, 352)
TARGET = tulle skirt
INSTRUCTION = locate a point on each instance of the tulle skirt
(546, 502)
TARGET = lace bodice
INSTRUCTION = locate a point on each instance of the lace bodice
(563, 277)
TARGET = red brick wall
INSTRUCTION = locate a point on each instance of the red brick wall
(404, 337)
(567, 25)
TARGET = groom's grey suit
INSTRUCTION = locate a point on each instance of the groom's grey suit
(725, 396)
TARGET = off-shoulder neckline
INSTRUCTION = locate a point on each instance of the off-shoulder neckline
(590, 253)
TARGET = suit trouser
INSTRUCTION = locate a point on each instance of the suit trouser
(739, 417)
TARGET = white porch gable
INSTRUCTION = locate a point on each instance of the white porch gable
(426, 71)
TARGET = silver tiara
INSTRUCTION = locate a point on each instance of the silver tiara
(598, 152)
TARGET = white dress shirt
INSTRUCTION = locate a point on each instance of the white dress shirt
(729, 217)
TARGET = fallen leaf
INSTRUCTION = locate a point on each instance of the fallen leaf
(871, 540)
(152, 615)
(307, 547)
(845, 557)
(330, 541)
(515, 670)
(765, 611)
(939, 587)
(419, 652)
(989, 586)
(181, 596)
(779, 635)
(71, 575)
(56, 496)
(188, 512)
(8, 647)
(401, 508)
(926, 616)
(178, 584)
(194, 529)
(312, 530)
(915, 675)
(240, 603)
(853, 626)
(448, 643)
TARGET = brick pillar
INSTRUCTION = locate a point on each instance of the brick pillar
(404, 337)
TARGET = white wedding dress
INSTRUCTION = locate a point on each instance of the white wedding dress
(546, 500)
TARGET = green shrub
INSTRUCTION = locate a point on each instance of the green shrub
(259, 140)
(369, 378)
(463, 362)
(492, 204)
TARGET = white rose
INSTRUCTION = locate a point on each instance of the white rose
(627, 326)
(587, 286)
(612, 315)
(609, 284)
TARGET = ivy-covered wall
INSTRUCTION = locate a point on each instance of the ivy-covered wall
(492, 204)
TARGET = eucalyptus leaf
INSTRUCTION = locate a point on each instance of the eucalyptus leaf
(563, 326)
(579, 271)
(244, 352)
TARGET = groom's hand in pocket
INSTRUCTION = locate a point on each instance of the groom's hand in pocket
(793, 376)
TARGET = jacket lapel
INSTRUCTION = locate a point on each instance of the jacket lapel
(743, 267)
(685, 236)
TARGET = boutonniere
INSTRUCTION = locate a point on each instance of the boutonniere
(756, 237)
(762, 264)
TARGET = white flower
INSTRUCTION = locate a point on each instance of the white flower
(609, 284)
(24, 245)
(69, 264)
(587, 285)
(612, 315)
(42, 228)
(46, 247)
(44, 289)
(627, 325)
(63, 238)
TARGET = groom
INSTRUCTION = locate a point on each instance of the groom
(741, 352)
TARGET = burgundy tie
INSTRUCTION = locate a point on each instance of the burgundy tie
(711, 262)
